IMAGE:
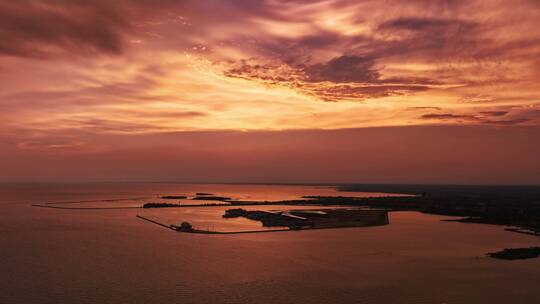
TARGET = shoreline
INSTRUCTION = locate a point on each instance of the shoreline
(199, 231)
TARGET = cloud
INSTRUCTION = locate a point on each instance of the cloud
(325, 56)
(265, 64)
(174, 114)
(508, 122)
(343, 77)
(95, 94)
(346, 68)
(67, 28)
(425, 108)
(54, 145)
(449, 116)
(529, 115)
(100, 125)
(517, 116)
(494, 113)
(39, 28)
(428, 24)
(471, 47)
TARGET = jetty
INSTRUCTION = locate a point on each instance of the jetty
(198, 231)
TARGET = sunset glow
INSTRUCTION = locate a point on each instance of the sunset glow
(73, 73)
(270, 151)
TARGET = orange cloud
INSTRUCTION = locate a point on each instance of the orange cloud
(139, 66)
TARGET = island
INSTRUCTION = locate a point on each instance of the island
(314, 219)
(516, 253)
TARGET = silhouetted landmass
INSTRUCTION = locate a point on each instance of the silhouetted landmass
(523, 212)
(516, 253)
(160, 205)
(523, 230)
(174, 197)
(184, 227)
(231, 213)
(314, 219)
(203, 194)
(501, 205)
(517, 206)
(447, 190)
(211, 198)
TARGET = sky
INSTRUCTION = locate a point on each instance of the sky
(270, 91)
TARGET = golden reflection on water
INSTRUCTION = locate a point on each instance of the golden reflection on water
(109, 256)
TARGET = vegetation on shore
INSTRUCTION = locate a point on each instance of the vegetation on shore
(183, 227)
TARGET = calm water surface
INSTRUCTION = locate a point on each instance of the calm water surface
(110, 256)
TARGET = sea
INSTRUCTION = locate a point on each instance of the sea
(91, 247)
